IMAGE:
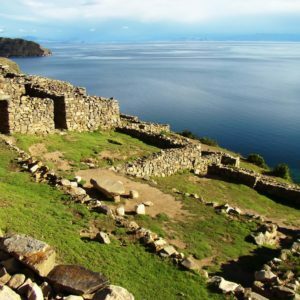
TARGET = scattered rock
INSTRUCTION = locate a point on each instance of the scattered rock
(35, 292)
(168, 251)
(264, 275)
(282, 292)
(148, 203)
(72, 297)
(25, 287)
(65, 182)
(120, 211)
(140, 209)
(133, 194)
(102, 237)
(4, 276)
(6, 293)
(16, 281)
(76, 280)
(77, 191)
(77, 179)
(190, 263)
(224, 285)
(113, 292)
(36, 254)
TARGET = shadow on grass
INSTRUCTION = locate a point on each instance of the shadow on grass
(242, 270)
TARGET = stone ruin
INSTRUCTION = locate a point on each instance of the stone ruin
(33, 104)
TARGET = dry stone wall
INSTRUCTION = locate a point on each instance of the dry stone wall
(52, 104)
(165, 162)
(285, 192)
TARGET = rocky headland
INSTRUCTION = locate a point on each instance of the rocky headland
(22, 48)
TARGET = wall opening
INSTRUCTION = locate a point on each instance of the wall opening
(4, 117)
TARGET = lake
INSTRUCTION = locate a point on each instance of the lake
(244, 95)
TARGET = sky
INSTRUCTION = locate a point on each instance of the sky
(144, 20)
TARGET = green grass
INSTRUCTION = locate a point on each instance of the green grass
(76, 147)
(234, 194)
(45, 213)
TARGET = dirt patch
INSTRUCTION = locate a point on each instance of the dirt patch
(37, 149)
(162, 203)
(56, 157)
(112, 155)
(178, 244)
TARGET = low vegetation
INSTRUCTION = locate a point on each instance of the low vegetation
(282, 171)
(204, 140)
(257, 160)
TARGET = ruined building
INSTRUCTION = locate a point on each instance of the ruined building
(33, 104)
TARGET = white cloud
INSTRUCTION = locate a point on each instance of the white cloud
(92, 29)
(2, 29)
(185, 11)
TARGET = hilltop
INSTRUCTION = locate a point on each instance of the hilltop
(19, 47)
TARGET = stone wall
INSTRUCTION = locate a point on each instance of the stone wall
(285, 192)
(165, 162)
(51, 102)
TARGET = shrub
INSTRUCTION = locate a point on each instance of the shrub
(209, 141)
(204, 140)
(282, 170)
(257, 160)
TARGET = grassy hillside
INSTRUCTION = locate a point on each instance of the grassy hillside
(217, 241)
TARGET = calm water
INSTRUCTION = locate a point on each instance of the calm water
(244, 95)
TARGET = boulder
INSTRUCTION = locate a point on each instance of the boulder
(4, 276)
(6, 293)
(113, 292)
(190, 263)
(140, 209)
(224, 285)
(76, 280)
(133, 194)
(148, 203)
(120, 211)
(16, 281)
(159, 244)
(77, 179)
(25, 287)
(35, 254)
(168, 251)
(102, 237)
(109, 188)
(282, 292)
(73, 297)
(77, 191)
(264, 275)
(65, 182)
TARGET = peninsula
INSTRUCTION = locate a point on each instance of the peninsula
(23, 48)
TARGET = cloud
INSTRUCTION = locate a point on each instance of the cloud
(125, 27)
(92, 29)
(2, 29)
(184, 11)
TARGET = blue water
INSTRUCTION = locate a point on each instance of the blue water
(244, 95)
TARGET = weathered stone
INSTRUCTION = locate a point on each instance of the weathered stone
(4, 276)
(73, 297)
(35, 292)
(159, 244)
(78, 179)
(77, 191)
(113, 292)
(132, 225)
(104, 209)
(224, 285)
(133, 194)
(148, 203)
(140, 209)
(190, 263)
(120, 211)
(6, 293)
(36, 254)
(25, 287)
(76, 280)
(255, 296)
(168, 251)
(282, 292)
(65, 182)
(102, 237)
(16, 281)
(264, 275)
(117, 198)
(109, 187)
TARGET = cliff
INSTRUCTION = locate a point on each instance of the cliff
(12, 66)
(19, 47)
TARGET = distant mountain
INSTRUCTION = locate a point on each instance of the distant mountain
(19, 47)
